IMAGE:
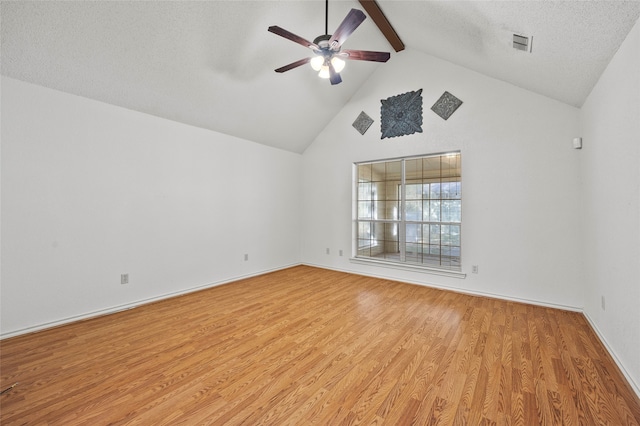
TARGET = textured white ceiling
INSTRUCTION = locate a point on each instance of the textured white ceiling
(210, 63)
(573, 41)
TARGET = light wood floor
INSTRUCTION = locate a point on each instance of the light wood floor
(311, 346)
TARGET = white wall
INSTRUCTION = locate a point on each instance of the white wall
(519, 173)
(610, 166)
(90, 191)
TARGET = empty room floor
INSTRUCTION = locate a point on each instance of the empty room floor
(312, 346)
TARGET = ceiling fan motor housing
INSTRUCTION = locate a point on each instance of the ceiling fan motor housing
(321, 38)
(325, 48)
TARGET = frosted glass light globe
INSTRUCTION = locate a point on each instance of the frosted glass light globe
(324, 72)
(338, 64)
(317, 62)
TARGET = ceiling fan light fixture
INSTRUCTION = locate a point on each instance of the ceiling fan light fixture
(338, 64)
(324, 72)
(317, 62)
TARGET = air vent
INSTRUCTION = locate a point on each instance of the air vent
(521, 42)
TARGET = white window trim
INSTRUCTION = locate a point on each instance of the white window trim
(408, 267)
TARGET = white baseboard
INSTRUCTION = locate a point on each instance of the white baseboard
(135, 304)
(635, 386)
(456, 289)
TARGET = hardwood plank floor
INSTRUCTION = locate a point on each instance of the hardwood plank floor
(312, 346)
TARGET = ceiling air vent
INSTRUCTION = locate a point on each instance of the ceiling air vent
(523, 43)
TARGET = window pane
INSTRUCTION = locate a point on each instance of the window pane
(365, 209)
(377, 232)
(413, 233)
(391, 240)
(390, 231)
(413, 191)
(431, 167)
(385, 210)
(450, 235)
(434, 234)
(426, 233)
(379, 210)
(391, 191)
(364, 249)
(434, 211)
(364, 245)
(450, 190)
(413, 249)
(413, 169)
(393, 170)
(426, 188)
(378, 172)
(364, 231)
(413, 210)
(450, 164)
(364, 191)
(435, 191)
(364, 173)
(451, 211)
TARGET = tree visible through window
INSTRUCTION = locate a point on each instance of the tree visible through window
(409, 210)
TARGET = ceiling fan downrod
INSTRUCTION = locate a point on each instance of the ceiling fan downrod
(326, 17)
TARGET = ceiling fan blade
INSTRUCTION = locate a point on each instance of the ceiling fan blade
(293, 65)
(374, 11)
(334, 77)
(352, 21)
(291, 36)
(365, 55)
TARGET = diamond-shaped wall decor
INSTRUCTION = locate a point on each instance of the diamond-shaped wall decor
(362, 123)
(401, 115)
(446, 105)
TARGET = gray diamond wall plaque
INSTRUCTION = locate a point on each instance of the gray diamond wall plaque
(446, 105)
(401, 115)
(362, 123)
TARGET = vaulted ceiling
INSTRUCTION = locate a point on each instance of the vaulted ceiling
(211, 63)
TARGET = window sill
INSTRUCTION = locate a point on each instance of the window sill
(408, 267)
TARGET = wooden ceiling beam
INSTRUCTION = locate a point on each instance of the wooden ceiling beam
(373, 10)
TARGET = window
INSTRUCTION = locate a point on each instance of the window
(409, 211)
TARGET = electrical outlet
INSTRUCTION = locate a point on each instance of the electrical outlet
(328, 251)
(340, 253)
(246, 257)
(602, 302)
(124, 278)
(474, 269)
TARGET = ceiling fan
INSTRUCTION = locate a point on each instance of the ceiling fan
(329, 56)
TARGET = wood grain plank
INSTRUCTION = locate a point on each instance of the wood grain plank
(311, 346)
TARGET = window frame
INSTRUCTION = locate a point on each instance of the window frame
(401, 221)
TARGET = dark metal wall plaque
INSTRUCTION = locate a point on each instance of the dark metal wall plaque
(362, 123)
(446, 105)
(401, 115)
